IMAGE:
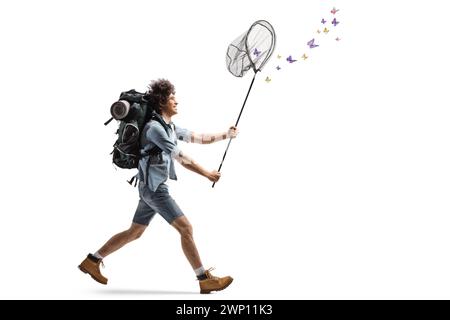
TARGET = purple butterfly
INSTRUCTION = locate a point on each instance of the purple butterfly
(323, 21)
(311, 44)
(278, 68)
(290, 60)
(256, 52)
(335, 22)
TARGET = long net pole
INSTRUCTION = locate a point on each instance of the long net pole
(237, 122)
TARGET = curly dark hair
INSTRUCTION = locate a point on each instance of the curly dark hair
(158, 93)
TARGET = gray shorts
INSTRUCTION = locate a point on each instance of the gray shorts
(158, 201)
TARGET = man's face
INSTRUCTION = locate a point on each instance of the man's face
(171, 106)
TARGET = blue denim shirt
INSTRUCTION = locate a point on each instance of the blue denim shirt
(162, 166)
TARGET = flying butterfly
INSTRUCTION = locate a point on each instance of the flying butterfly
(290, 60)
(325, 30)
(278, 67)
(318, 31)
(268, 79)
(334, 10)
(335, 22)
(323, 21)
(311, 44)
(279, 56)
(304, 56)
(256, 52)
(338, 39)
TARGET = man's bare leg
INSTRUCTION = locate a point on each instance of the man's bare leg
(119, 240)
(184, 227)
(207, 281)
(91, 265)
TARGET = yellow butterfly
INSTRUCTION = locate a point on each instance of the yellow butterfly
(304, 56)
(268, 79)
(318, 31)
(278, 56)
(325, 30)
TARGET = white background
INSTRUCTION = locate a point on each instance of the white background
(336, 188)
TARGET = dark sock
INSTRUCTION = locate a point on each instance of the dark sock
(93, 258)
(202, 277)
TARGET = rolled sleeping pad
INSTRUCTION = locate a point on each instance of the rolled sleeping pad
(120, 109)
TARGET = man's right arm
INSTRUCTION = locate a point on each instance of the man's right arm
(190, 164)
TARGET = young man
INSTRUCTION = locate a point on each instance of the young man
(154, 195)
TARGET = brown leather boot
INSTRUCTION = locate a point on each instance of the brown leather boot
(212, 283)
(91, 265)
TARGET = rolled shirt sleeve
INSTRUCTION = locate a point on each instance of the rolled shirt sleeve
(158, 136)
(183, 134)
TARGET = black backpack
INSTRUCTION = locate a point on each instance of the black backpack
(132, 111)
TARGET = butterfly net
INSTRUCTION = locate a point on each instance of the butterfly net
(252, 49)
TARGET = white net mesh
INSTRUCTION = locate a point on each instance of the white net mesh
(252, 49)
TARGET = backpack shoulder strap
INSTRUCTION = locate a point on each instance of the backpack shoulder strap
(156, 117)
(154, 151)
